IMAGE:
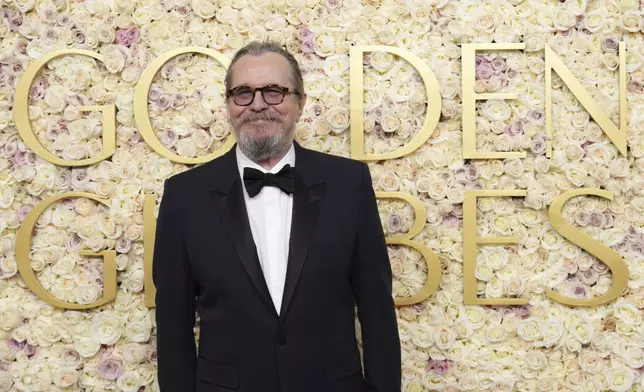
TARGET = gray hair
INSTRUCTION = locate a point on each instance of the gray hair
(256, 48)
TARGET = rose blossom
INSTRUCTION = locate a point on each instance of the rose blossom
(394, 223)
(538, 146)
(29, 349)
(110, 368)
(440, 367)
(15, 345)
(609, 44)
(484, 70)
(305, 34)
(514, 129)
(127, 37)
(307, 46)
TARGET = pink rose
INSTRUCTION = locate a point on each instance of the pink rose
(305, 34)
(484, 70)
(110, 368)
(440, 367)
(30, 350)
(523, 311)
(15, 21)
(307, 46)
(127, 37)
(498, 65)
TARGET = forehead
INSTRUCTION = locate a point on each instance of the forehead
(259, 70)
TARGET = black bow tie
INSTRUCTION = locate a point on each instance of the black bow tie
(255, 180)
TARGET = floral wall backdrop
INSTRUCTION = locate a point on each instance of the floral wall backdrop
(541, 346)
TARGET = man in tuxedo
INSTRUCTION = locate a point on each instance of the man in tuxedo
(274, 246)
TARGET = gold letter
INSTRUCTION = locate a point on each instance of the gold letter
(470, 241)
(149, 234)
(141, 105)
(21, 114)
(468, 56)
(617, 136)
(433, 264)
(23, 247)
(357, 102)
(594, 247)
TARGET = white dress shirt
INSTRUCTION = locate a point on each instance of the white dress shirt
(269, 214)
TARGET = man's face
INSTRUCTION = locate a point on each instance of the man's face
(264, 130)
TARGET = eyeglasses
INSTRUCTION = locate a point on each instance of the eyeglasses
(272, 94)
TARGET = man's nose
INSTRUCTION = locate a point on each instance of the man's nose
(258, 102)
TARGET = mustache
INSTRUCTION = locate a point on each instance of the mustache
(259, 116)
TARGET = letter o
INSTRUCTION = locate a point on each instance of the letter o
(142, 117)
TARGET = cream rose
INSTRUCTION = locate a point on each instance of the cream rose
(106, 328)
(338, 118)
(620, 379)
(86, 347)
(129, 381)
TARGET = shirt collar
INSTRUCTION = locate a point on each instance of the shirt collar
(243, 161)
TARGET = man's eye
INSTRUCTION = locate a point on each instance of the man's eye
(273, 91)
(242, 92)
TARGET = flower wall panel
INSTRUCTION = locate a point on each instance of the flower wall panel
(447, 343)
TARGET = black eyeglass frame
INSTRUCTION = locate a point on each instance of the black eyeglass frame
(284, 90)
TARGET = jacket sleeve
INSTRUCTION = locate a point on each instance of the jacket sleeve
(175, 301)
(371, 279)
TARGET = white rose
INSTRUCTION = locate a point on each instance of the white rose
(86, 347)
(627, 312)
(134, 283)
(55, 100)
(203, 117)
(583, 332)
(65, 378)
(564, 20)
(494, 288)
(444, 338)
(336, 65)
(147, 373)
(536, 360)
(632, 21)
(129, 381)
(495, 256)
(161, 169)
(338, 118)
(620, 379)
(514, 286)
(134, 353)
(86, 294)
(138, 331)
(474, 316)
(9, 319)
(634, 357)
(106, 328)
(113, 59)
(483, 272)
(530, 330)
(315, 85)
(552, 333)
(186, 148)
(324, 44)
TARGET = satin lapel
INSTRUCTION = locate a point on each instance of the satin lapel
(232, 209)
(306, 208)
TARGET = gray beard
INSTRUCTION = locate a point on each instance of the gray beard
(260, 149)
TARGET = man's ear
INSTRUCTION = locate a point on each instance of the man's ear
(302, 102)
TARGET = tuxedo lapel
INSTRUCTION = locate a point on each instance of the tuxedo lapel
(307, 201)
(228, 196)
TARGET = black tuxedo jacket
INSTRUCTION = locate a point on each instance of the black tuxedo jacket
(205, 261)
